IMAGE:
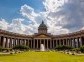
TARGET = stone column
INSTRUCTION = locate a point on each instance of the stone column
(18, 42)
(25, 42)
(76, 41)
(59, 42)
(21, 41)
(28, 42)
(68, 42)
(73, 42)
(11, 42)
(53, 44)
(56, 43)
(50, 43)
(14, 42)
(0, 40)
(34, 43)
(40, 42)
(47, 43)
(37, 43)
(31, 43)
(63, 42)
(4, 42)
(80, 41)
(8, 40)
(44, 42)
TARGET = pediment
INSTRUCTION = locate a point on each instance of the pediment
(42, 36)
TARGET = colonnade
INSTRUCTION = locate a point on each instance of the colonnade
(8, 42)
(73, 42)
(34, 43)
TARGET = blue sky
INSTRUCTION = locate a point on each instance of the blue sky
(10, 9)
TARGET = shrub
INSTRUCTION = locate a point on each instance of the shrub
(1, 48)
(6, 49)
(21, 47)
(76, 49)
(63, 48)
(82, 49)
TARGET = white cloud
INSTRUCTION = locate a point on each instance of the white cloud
(61, 16)
(68, 15)
(28, 12)
(3, 24)
(17, 26)
(53, 5)
(48, 17)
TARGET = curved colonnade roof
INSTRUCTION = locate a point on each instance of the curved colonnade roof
(4, 32)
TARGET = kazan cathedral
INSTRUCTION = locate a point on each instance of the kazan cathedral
(10, 39)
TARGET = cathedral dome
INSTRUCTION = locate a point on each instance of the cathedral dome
(42, 26)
